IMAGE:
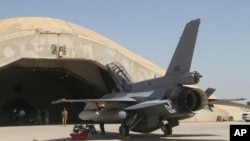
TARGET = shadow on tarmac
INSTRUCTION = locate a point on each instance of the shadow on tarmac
(145, 137)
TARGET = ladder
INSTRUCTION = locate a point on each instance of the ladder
(91, 128)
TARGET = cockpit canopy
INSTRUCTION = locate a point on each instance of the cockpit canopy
(120, 76)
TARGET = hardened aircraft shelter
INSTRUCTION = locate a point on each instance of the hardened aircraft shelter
(43, 59)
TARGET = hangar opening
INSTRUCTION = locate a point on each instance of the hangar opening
(32, 84)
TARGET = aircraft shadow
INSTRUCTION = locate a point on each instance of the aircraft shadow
(144, 137)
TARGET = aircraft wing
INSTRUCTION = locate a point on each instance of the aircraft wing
(92, 103)
(93, 100)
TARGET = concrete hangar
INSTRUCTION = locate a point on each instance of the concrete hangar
(43, 59)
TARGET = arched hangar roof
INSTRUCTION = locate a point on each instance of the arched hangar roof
(33, 37)
(43, 59)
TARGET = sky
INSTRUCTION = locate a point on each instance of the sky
(152, 28)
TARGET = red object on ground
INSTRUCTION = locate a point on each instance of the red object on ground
(79, 136)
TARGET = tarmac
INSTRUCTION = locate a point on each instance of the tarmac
(209, 131)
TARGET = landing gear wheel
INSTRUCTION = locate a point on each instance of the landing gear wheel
(124, 130)
(167, 130)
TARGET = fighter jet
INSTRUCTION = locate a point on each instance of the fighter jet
(156, 103)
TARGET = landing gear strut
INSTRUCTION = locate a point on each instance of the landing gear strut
(124, 130)
(167, 129)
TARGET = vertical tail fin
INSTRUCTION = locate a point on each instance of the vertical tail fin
(182, 58)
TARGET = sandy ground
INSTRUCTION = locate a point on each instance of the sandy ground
(213, 131)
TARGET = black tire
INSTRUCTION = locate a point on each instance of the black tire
(124, 130)
(167, 130)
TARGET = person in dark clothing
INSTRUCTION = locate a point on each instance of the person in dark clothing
(101, 107)
(39, 116)
(102, 128)
(46, 117)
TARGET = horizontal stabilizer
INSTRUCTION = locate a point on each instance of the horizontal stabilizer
(146, 104)
(227, 102)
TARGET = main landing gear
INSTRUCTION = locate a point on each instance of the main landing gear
(167, 130)
(124, 130)
(167, 127)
